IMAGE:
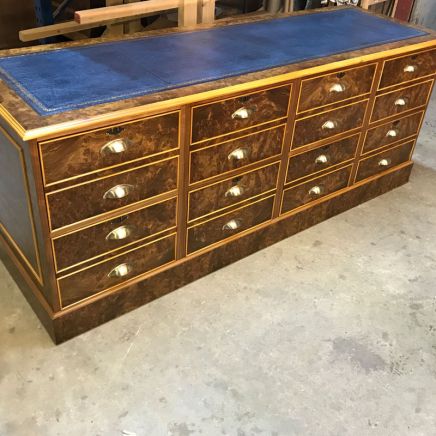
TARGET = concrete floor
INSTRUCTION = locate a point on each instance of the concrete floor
(331, 332)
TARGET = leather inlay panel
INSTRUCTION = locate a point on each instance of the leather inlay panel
(318, 91)
(212, 231)
(304, 164)
(216, 119)
(217, 196)
(214, 160)
(88, 243)
(93, 280)
(395, 156)
(86, 200)
(310, 129)
(301, 194)
(70, 157)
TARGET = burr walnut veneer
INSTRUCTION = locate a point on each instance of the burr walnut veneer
(105, 208)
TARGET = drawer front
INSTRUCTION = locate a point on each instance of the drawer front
(321, 158)
(335, 87)
(393, 103)
(232, 191)
(215, 119)
(78, 155)
(225, 226)
(231, 155)
(406, 68)
(115, 271)
(314, 189)
(383, 161)
(94, 198)
(327, 124)
(392, 132)
(111, 235)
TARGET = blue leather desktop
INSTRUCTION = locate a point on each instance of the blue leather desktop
(71, 78)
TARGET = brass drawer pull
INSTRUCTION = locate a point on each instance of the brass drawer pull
(121, 270)
(234, 191)
(329, 125)
(114, 147)
(120, 233)
(321, 159)
(232, 225)
(242, 113)
(400, 102)
(337, 87)
(118, 191)
(392, 133)
(384, 162)
(238, 154)
(410, 69)
(316, 190)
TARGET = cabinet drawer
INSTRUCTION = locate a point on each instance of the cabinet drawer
(225, 226)
(383, 161)
(327, 124)
(232, 191)
(115, 271)
(407, 68)
(215, 119)
(321, 158)
(335, 87)
(396, 102)
(238, 153)
(112, 235)
(90, 199)
(314, 189)
(388, 133)
(83, 154)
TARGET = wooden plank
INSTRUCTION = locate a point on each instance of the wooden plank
(125, 11)
(134, 25)
(365, 4)
(114, 29)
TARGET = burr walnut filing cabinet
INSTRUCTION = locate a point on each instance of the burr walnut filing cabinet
(131, 167)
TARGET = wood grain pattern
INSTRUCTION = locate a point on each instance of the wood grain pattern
(215, 197)
(92, 241)
(414, 96)
(394, 70)
(90, 281)
(86, 200)
(309, 130)
(81, 154)
(378, 137)
(301, 194)
(216, 119)
(318, 92)
(211, 161)
(209, 232)
(304, 164)
(371, 166)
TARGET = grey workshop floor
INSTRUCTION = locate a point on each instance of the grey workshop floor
(329, 333)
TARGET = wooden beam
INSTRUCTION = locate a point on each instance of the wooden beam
(206, 11)
(125, 11)
(187, 13)
(114, 29)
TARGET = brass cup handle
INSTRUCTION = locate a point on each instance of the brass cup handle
(116, 146)
(118, 191)
(322, 159)
(337, 87)
(400, 102)
(384, 162)
(316, 190)
(122, 232)
(232, 224)
(121, 270)
(329, 125)
(242, 113)
(392, 133)
(410, 69)
(234, 191)
(238, 154)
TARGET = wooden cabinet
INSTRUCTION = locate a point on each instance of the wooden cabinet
(108, 207)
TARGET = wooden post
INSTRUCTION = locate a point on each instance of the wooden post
(114, 29)
(206, 11)
(132, 26)
(187, 13)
